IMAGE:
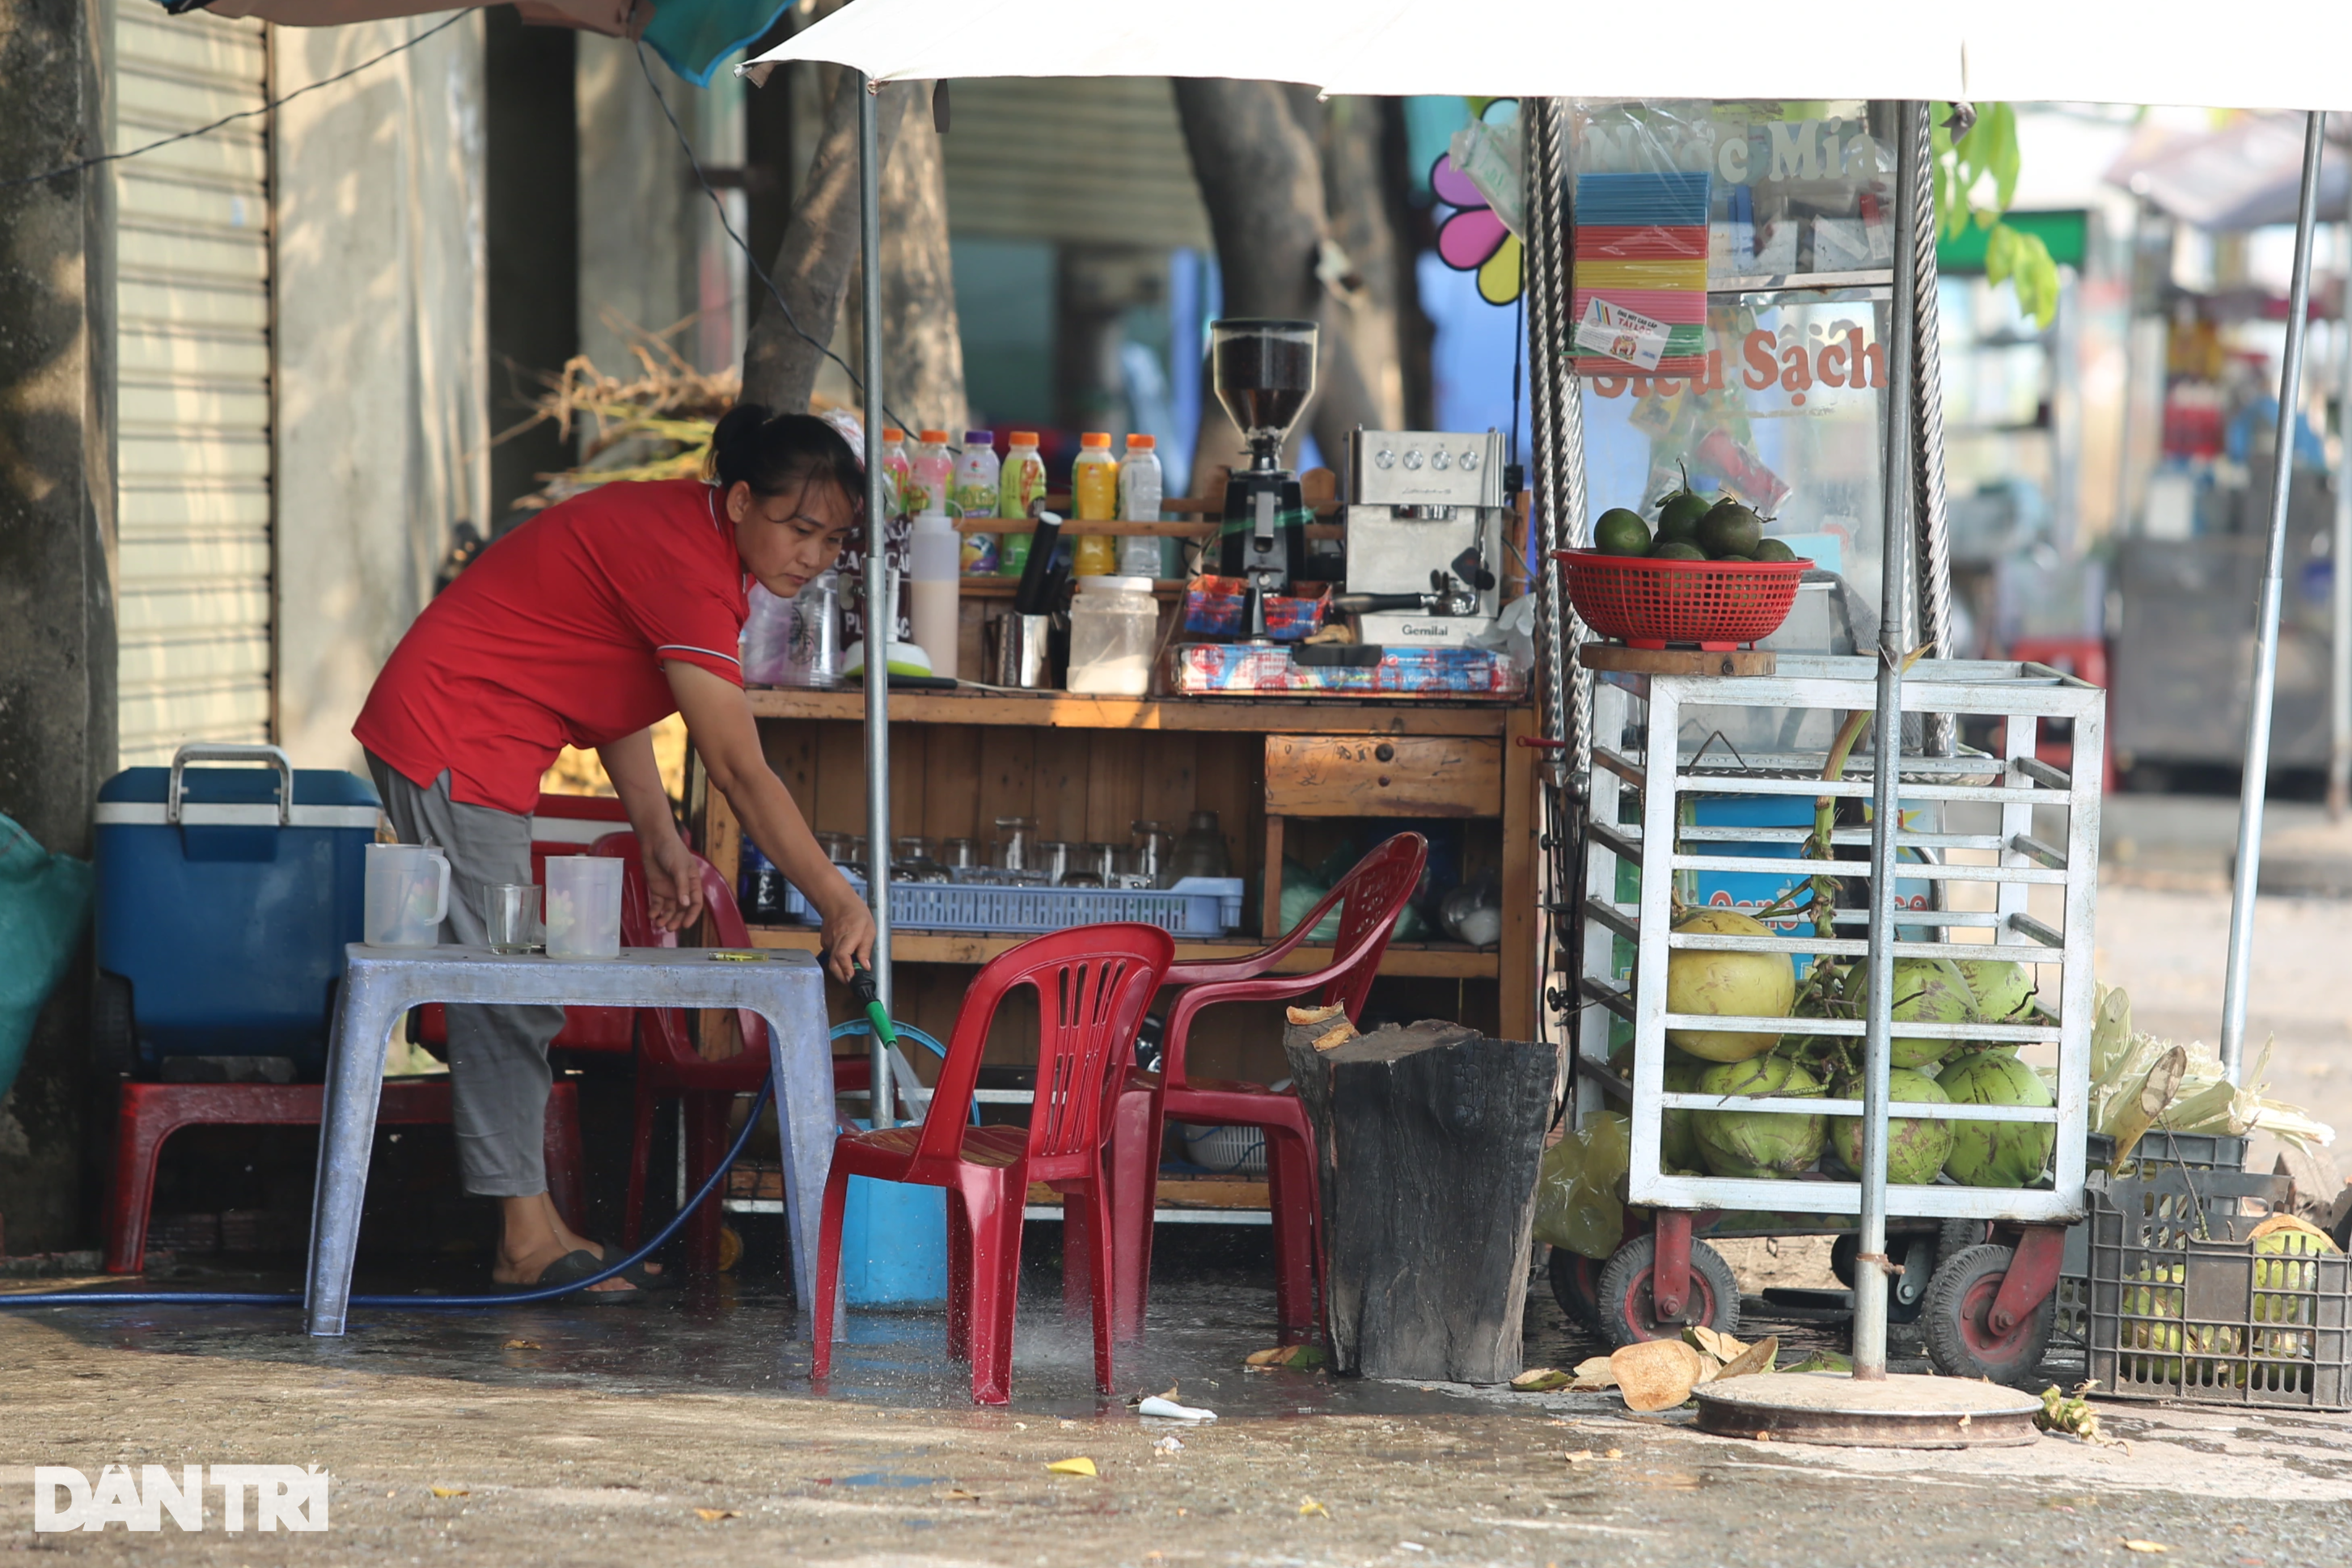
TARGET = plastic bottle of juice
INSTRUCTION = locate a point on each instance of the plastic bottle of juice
(1139, 555)
(976, 477)
(932, 472)
(1020, 489)
(1094, 486)
(894, 470)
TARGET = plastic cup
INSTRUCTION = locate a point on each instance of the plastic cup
(583, 906)
(405, 895)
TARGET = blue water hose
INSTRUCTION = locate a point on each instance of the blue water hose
(515, 1298)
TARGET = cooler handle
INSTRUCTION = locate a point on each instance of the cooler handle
(237, 751)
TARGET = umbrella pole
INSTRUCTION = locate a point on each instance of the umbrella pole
(1898, 577)
(2339, 559)
(881, 606)
(2267, 626)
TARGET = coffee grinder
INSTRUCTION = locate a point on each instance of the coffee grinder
(1264, 371)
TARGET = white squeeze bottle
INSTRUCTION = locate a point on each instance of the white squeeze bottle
(935, 562)
(1139, 555)
(976, 475)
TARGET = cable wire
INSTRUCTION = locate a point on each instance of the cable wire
(513, 1299)
(76, 167)
(685, 145)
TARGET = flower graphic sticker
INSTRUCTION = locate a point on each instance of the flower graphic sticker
(1474, 238)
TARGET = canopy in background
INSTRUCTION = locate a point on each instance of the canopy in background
(2245, 175)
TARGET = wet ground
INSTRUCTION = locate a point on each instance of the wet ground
(687, 1431)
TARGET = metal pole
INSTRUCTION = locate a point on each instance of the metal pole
(2339, 560)
(1928, 420)
(1896, 576)
(881, 607)
(2266, 624)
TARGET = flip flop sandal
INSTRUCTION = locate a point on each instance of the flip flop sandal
(571, 1269)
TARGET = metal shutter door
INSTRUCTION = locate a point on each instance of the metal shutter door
(1087, 160)
(192, 441)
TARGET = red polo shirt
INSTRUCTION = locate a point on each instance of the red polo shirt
(556, 635)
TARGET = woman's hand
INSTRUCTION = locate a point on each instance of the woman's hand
(848, 929)
(673, 880)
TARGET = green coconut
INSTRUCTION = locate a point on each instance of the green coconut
(1678, 1146)
(1763, 1145)
(1677, 1138)
(1997, 1154)
(2003, 990)
(1750, 985)
(1917, 1148)
(1926, 990)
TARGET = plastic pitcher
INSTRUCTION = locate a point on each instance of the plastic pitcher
(583, 906)
(406, 896)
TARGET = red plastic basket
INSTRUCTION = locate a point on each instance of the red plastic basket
(1646, 603)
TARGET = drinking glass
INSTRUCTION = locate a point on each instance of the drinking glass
(511, 911)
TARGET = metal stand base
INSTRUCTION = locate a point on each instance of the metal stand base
(1898, 1412)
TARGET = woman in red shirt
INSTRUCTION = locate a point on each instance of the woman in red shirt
(585, 627)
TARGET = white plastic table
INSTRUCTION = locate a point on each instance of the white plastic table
(380, 984)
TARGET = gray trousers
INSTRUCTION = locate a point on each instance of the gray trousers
(499, 1075)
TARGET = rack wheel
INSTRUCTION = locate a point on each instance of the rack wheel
(113, 1035)
(1626, 1314)
(1576, 1286)
(1960, 1340)
(1955, 1237)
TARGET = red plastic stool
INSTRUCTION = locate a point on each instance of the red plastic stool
(152, 1112)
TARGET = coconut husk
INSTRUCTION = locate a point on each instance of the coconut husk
(1658, 1374)
(1541, 1380)
(1306, 1016)
(1757, 1357)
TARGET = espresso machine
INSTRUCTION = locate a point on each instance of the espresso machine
(1426, 531)
(1264, 371)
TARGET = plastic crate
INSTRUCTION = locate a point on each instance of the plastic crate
(2156, 1151)
(2182, 1307)
(1201, 906)
(2161, 1150)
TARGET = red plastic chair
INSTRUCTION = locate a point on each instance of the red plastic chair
(669, 1067)
(1093, 984)
(1370, 898)
(152, 1112)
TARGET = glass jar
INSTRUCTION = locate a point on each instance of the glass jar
(1148, 847)
(1016, 848)
(955, 852)
(1200, 852)
(1114, 629)
(1057, 858)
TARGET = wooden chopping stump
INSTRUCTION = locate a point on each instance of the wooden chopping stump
(1428, 1138)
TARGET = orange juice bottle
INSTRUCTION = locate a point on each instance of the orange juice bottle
(1094, 486)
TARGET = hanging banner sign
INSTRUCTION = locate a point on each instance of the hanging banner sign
(1621, 334)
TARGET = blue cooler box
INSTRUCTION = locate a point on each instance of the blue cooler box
(225, 898)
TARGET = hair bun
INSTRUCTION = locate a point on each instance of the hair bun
(738, 423)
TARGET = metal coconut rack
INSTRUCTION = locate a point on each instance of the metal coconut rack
(1581, 838)
(1990, 1318)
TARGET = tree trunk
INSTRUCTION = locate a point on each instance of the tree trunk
(819, 254)
(1356, 198)
(1262, 179)
(1427, 1140)
(922, 342)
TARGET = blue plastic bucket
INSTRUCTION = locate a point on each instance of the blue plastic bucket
(894, 1237)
